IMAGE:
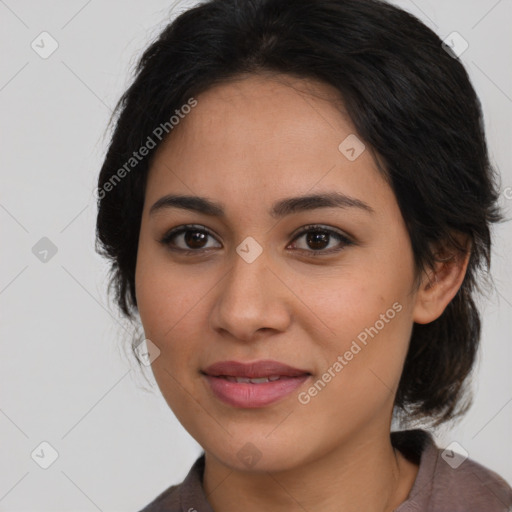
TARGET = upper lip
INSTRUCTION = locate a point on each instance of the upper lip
(264, 368)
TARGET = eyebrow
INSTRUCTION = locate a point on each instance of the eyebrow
(279, 209)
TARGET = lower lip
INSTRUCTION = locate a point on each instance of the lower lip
(247, 395)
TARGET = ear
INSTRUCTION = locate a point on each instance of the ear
(441, 284)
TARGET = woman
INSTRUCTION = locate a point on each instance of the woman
(297, 200)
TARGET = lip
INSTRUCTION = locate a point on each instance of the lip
(254, 370)
(251, 395)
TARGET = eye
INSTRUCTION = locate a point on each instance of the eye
(193, 238)
(190, 239)
(318, 239)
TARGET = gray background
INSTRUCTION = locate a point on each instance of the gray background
(64, 376)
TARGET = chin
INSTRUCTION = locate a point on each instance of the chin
(257, 453)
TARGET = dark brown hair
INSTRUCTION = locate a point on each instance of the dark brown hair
(411, 102)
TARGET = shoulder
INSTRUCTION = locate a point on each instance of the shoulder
(476, 487)
(448, 481)
(188, 495)
(167, 501)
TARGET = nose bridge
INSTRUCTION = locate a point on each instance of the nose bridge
(249, 274)
(250, 298)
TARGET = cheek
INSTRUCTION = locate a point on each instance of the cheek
(169, 307)
(173, 311)
(166, 295)
(370, 342)
(347, 303)
(362, 369)
(367, 317)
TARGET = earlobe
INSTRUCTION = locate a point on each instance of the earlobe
(440, 284)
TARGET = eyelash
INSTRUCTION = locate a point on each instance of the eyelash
(312, 228)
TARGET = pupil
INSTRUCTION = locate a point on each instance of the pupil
(194, 238)
(317, 239)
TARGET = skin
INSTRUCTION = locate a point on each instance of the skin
(247, 144)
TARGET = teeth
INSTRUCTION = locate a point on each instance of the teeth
(259, 380)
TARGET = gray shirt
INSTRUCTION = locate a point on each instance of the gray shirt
(443, 483)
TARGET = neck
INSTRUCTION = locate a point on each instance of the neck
(363, 474)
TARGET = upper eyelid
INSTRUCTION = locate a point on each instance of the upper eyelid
(319, 227)
(178, 230)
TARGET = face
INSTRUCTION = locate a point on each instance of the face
(326, 289)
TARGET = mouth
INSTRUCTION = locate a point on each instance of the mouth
(257, 380)
(251, 385)
(265, 369)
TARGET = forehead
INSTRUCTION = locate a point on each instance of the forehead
(262, 136)
(270, 88)
(261, 112)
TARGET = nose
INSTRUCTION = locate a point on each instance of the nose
(252, 298)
